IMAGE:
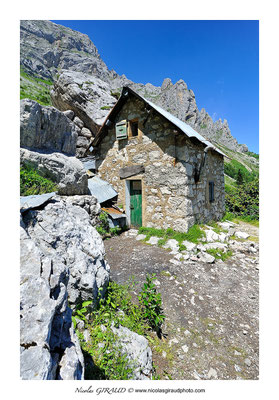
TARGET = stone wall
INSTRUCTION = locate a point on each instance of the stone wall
(170, 196)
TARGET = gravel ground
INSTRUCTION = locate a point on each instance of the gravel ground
(211, 326)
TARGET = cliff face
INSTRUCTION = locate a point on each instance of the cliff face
(48, 49)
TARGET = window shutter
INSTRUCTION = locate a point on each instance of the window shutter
(121, 130)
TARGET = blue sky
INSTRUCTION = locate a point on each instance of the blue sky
(219, 61)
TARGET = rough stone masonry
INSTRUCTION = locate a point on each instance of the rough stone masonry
(171, 197)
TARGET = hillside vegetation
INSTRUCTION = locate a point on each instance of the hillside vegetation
(35, 88)
(241, 184)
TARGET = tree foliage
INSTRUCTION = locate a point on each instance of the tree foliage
(243, 200)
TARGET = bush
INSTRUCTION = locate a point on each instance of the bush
(103, 226)
(31, 182)
(243, 200)
(151, 304)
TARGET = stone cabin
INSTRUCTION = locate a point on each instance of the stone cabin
(166, 174)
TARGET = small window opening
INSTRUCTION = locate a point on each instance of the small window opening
(211, 192)
(134, 128)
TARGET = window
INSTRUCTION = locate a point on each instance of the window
(211, 191)
(134, 128)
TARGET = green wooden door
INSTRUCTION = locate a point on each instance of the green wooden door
(136, 203)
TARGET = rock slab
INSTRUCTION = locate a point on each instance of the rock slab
(46, 128)
(62, 264)
(67, 172)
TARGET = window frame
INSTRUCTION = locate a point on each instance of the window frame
(211, 191)
(130, 129)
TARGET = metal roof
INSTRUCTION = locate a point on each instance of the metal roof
(185, 128)
(115, 214)
(88, 163)
(102, 190)
(33, 201)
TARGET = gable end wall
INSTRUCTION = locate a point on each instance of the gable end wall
(171, 198)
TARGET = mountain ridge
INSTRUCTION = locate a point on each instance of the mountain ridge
(48, 48)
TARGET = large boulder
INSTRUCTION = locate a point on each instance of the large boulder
(62, 264)
(45, 318)
(88, 96)
(46, 128)
(68, 172)
(63, 228)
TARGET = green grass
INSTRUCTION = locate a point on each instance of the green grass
(35, 88)
(194, 234)
(236, 219)
(220, 254)
(105, 108)
(32, 183)
(231, 169)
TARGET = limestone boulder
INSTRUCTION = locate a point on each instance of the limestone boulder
(45, 317)
(68, 172)
(62, 264)
(88, 96)
(46, 128)
(135, 347)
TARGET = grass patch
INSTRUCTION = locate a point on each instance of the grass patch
(193, 235)
(34, 88)
(32, 183)
(220, 254)
(105, 108)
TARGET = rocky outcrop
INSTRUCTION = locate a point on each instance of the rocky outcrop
(62, 262)
(48, 48)
(68, 172)
(46, 128)
(88, 96)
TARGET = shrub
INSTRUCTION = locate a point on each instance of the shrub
(243, 200)
(31, 182)
(103, 226)
(151, 304)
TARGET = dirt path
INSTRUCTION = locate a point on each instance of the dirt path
(211, 327)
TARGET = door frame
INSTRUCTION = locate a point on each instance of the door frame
(128, 198)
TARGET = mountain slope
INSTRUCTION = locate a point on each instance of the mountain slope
(48, 49)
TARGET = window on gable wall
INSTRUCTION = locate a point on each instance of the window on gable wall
(134, 131)
(211, 191)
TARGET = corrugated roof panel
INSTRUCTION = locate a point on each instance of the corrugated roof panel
(33, 201)
(187, 129)
(102, 190)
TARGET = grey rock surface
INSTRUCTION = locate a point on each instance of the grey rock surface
(67, 172)
(88, 96)
(64, 229)
(62, 263)
(46, 128)
(45, 316)
(136, 349)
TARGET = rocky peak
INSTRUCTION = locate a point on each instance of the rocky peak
(48, 48)
(167, 83)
